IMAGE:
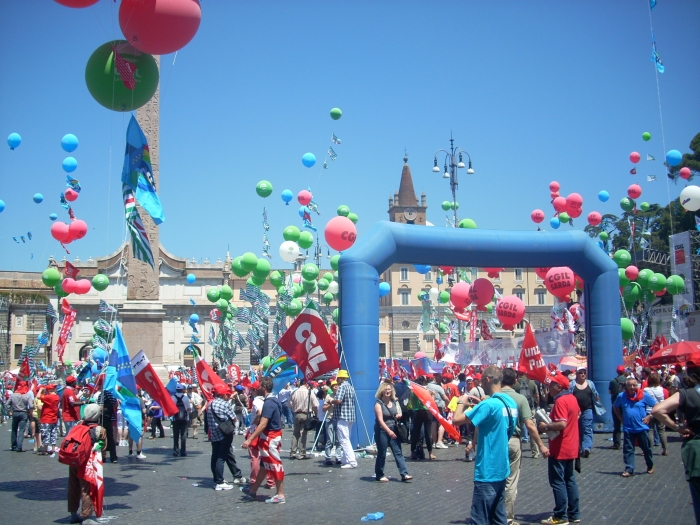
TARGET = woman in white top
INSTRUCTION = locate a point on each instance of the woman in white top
(656, 391)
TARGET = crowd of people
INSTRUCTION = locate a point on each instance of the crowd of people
(495, 412)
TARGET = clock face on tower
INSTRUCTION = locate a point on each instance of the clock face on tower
(410, 214)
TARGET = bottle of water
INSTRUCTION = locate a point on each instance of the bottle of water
(471, 454)
(373, 516)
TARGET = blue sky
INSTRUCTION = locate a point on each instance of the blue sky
(534, 91)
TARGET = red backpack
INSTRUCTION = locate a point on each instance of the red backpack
(76, 447)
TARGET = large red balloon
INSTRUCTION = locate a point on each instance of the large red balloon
(634, 191)
(559, 204)
(559, 281)
(632, 272)
(60, 232)
(481, 292)
(76, 3)
(459, 295)
(159, 27)
(340, 233)
(71, 195)
(304, 197)
(68, 285)
(554, 186)
(594, 218)
(542, 272)
(574, 203)
(685, 173)
(493, 273)
(78, 229)
(510, 311)
(82, 286)
(537, 216)
(634, 157)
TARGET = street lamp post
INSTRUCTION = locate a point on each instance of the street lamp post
(455, 157)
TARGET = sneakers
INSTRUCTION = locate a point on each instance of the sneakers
(131, 454)
(586, 453)
(555, 521)
(240, 481)
(223, 486)
(439, 445)
(329, 463)
(248, 493)
(140, 455)
(348, 465)
(275, 499)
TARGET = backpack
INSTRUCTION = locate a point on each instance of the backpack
(181, 412)
(525, 391)
(76, 447)
(620, 385)
(419, 451)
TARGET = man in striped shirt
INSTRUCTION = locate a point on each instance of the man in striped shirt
(344, 413)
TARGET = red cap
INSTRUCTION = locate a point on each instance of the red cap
(477, 376)
(620, 369)
(221, 390)
(561, 380)
(71, 380)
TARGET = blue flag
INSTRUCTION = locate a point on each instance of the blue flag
(172, 386)
(119, 380)
(125, 375)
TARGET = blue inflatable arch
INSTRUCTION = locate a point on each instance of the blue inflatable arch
(388, 243)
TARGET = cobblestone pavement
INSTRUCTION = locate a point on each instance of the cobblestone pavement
(165, 489)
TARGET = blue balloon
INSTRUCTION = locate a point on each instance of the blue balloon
(99, 356)
(53, 216)
(2, 206)
(191, 278)
(438, 279)
(603, 196)
(70, 164)
(302, 210)
(14, 140)
(422, 268)
(308, 159)
(384, 289)
(38, 197)
(674, 157)
(194, 318)
(287, 196)
(554, 222)
(69, 143)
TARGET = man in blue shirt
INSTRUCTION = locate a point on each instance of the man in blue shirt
(633, 408)
(495, 419)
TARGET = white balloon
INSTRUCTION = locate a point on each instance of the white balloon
(690, 198)
(333, 287)
(434, 293)
(289, 251)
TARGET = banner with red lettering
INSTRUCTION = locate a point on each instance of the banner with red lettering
(308, 344)
(147, 379)
(427, 399)
(70, 314)
(234, 373)
(207, 377)
(531, 361)
(93, 474)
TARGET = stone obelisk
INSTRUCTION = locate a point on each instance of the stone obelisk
(142, 315)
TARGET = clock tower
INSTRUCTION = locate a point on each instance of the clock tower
(403, 206)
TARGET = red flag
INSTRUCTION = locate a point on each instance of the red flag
(437, 354)
(147, 379)
(427, 399)
(70, 270)
(68, 320)
(664, 344)
(531, 361)
(24, 371)
(207, 377)
(93, 474)
(234, 373)
(125, 70)
(308, 344)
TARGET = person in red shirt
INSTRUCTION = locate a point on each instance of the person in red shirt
(70, 404)
(563, 450)
(48, 422)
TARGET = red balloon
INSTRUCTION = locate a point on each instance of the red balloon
(459, 294)
(159, 27)
(537, 216)
(78, 229)
(574, 203)
(71, 195)
(659, 294)
(685, 173)
(542, 272)
(447, 269)
(60, 232)
(634, 157)
(82, 286)
(76, 3)
(481, 292)
(554, 186)
(634, 191)
(594, 218)
(559, 281)
(575, 214)
(68, 285)
(418, 355)
(559, 204)
(510, 311)
(493, 273)
(631, 272)
(340, 233)
(554, 195)
(304, 197)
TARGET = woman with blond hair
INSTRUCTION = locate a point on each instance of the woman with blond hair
(387, 412)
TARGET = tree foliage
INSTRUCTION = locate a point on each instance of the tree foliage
(690, 160)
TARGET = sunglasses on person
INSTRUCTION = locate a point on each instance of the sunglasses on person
(583, 372)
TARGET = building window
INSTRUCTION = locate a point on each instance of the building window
(519, 293)
(498, 291)
(18, 350)
(382, 349)
(429, 338)
(405, 325)
(543, 323)
(18, 320)
(406, 345)
(428, 276)
(520, 325)
(405, 298)
(518, 275)
(382, 321)
(403, 274)
(540, 296)
(539, 279)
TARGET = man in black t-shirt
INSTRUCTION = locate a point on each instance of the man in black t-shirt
(617, 385)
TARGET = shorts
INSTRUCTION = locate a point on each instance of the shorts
(49, 433)
(270, 446)
(121, 422)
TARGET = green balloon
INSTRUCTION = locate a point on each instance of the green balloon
(276, 279)
(59, 291)
(644, 206)
(281, 290)
(222, 304)
(291, 233)
(423, 295)
(237, 269)
(603, 236)
(328, 276)
(256, 281)
(104, 334)
(322, 285)
(51, 277)
(467, 223)
(643, 277)
(297, 290)
(306, 240)
(336, 113)
(266, 362)
(343, 210)
(226, 293)
(264, 188)
(100, 282)
(309, 271)
(489, 307)
(308, 286)
(443, 328)
(632, 292)
(327, 298)
(444, 297)
(646, 136)
(294, 308)
(249, 261)
(622, 258)
(262, 269)
(454, 205)
(334, 262)
(648, 295)
(564, 217)
(657, 282)
(627, 327)
(106, 87)
(675, 285)
(627, 204)
(336, 314)
(353, 217)
(213, 294)
(335, 276)
(446, 205)
(624, 281)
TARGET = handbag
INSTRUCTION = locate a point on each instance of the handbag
(226, 426)
(402, 431)
(311, 417)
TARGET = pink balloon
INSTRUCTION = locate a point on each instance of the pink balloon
(574, 214)
(634, 157)
(554, 195)
(481, 292)
(537, 216)
(574, 202)
(71, 194)
(510, 311)
(459, 294)
(634, 191)
(60, 232)
(542, 272)
(78, 229)
(559, 204)
(418, 355)
(554, 186)
(340, 233)
(296, 279)
(493, 273)
(68, 285)
(685, 173)
(559, 281)
(631, 272)
(76, 3)
(594, 218)
(82, 286)
(304, 197)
